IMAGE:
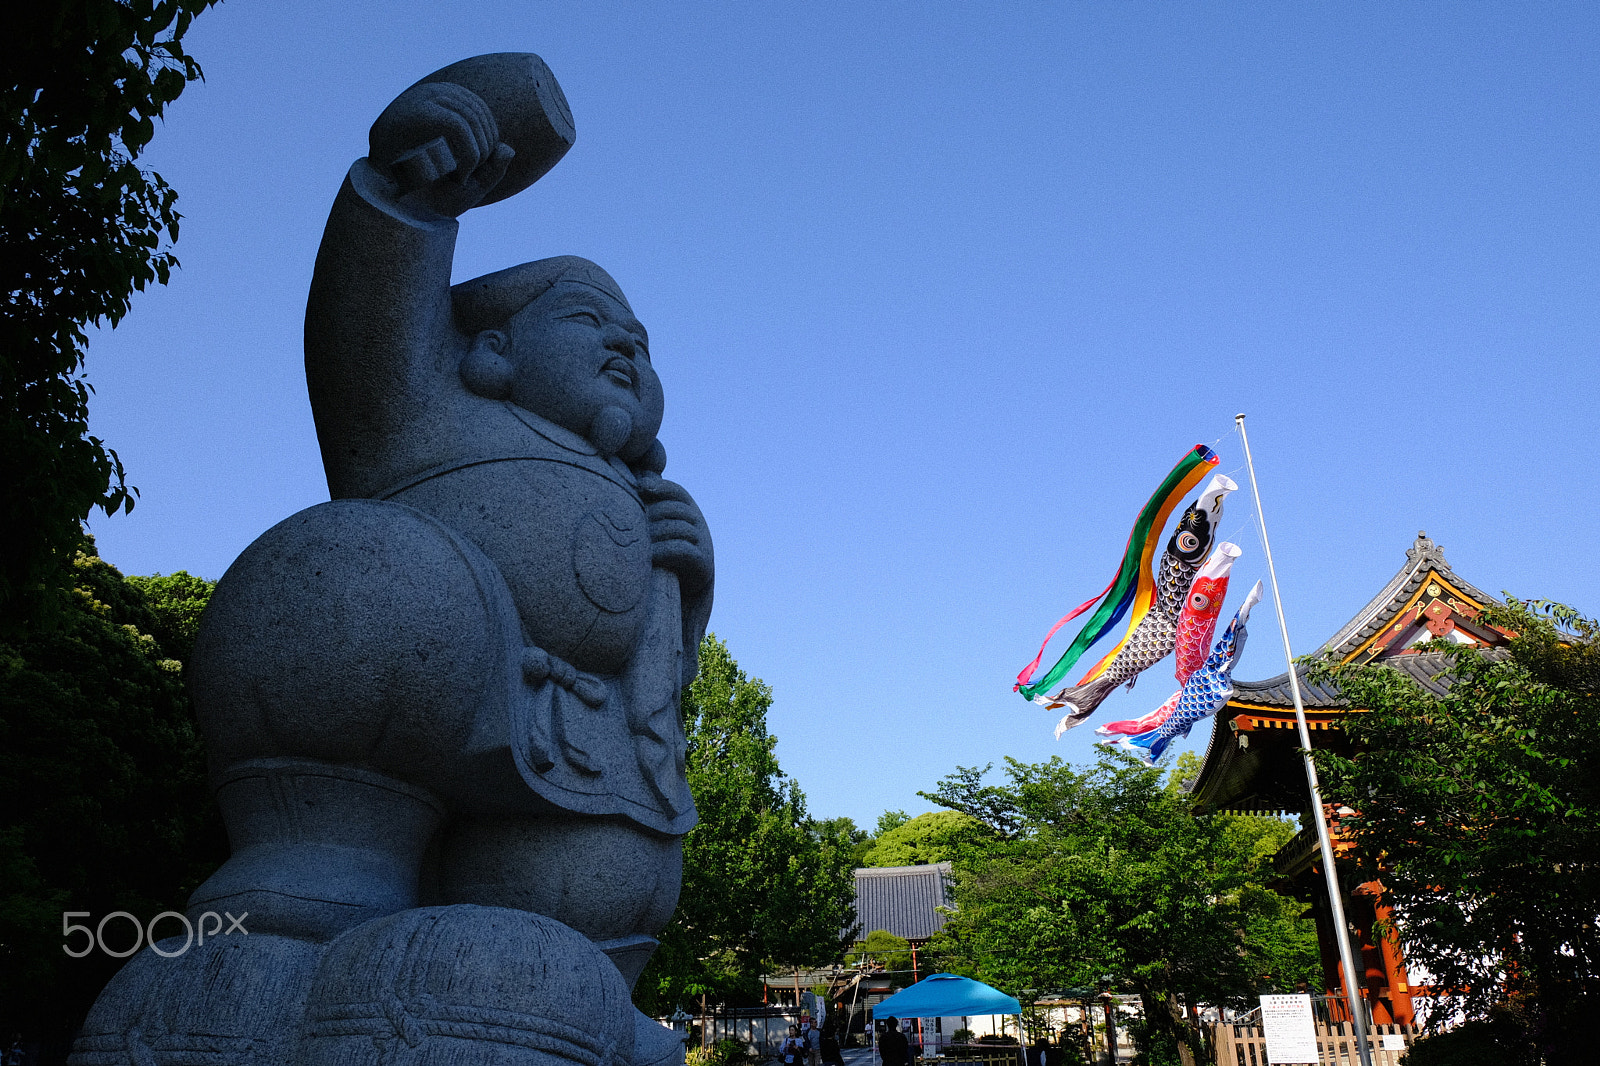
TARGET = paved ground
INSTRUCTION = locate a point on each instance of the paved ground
(854, 1056)
(863, 1056)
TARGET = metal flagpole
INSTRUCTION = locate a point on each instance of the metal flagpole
(1342, 936)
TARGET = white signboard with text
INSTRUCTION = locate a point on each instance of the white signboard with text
(1290, 1030)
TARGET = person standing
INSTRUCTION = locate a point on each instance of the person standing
(813, 1041)
(831, 1055)
(793, 1049)
(893, 1047)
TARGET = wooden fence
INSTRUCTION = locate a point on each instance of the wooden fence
(1246, 1045)
(973, 1055)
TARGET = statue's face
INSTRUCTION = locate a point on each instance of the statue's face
(576, 351)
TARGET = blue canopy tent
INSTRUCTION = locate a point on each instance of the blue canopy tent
(944, 995)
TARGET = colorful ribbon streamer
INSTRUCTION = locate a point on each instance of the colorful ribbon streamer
(1134, 586)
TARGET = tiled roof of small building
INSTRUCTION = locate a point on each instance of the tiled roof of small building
(1425, 562)
(903, 900)
(1274, 692)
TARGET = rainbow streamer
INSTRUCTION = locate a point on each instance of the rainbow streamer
(1133, 590)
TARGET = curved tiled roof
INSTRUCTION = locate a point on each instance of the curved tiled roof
(1425, 667)
(1422, 557)
(1274, 692)
(904, 900)
(1235, 773)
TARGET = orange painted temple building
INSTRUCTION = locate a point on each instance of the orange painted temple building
(1253, 762)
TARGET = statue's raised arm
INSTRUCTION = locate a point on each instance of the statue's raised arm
(380, 336)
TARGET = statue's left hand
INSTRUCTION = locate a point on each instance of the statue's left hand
(679, 539)
(439, 143)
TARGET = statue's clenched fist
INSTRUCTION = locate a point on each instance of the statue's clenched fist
(440, 144)
(679, 539)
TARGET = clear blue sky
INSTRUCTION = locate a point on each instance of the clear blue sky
(939, 291)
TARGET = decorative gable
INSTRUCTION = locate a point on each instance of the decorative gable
(1252, 761)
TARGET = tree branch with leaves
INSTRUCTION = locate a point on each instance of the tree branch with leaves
(1479, 812)
(764, 884)
(84, 226)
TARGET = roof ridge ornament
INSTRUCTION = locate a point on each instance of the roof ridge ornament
(1423, 549)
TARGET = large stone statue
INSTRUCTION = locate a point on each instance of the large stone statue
(442, 709)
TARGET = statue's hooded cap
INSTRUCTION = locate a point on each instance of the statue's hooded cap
(490, 301)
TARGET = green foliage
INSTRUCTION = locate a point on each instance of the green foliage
(103, 797)
(727, 1052)
(927, 838)
(82, 225)
(1282, 941)
(175, 602)
(993, 805)
(1105, 873)
(883, 948)
(861, 841)
(763, 884)
(844, 830)
(889, 821)
(1498, 1040)
(1479, 811)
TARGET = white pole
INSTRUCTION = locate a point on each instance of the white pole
(1336, 904)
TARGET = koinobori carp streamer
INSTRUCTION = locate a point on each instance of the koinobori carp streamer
(1133, 588)
(1203, 695)
(1196, 624)
(1156, 634)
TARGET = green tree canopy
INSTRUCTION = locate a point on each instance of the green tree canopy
(1102, 877)
(175, 602)
(861, 840)
(103, 798)
(881, 948)
(82, 225)
(763, 884)
(890, 820)
(1479, 812)
(845, 830)
(927, 838)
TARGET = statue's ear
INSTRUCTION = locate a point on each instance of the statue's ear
(485, 370)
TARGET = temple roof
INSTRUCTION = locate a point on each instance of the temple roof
(1422, 558)
(904, 900)
(1424, 667)
(1251, 761)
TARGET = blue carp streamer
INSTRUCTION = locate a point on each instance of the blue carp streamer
(1204, 694)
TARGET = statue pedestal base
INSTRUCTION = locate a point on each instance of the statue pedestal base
(460, 985)
(317, 848)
